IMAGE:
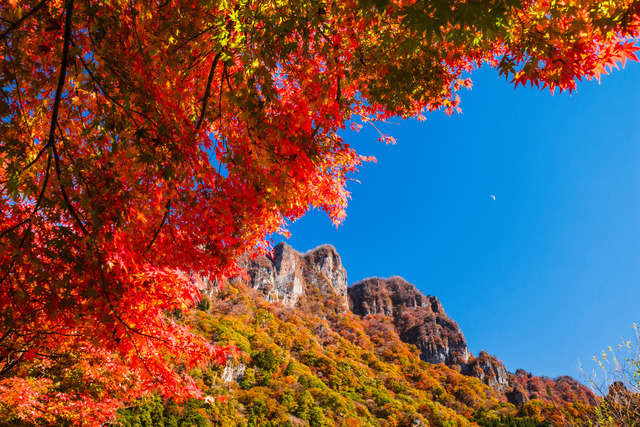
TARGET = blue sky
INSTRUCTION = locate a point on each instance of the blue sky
(547, 274)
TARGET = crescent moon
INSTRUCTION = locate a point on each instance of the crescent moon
(493, 197)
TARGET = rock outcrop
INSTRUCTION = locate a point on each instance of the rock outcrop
(233, 371)
(294, 279)
(490, 370)
(524, 386)
(285, 274)
(419, 319)
(422, 321)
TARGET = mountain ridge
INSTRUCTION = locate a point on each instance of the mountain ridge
(419, 320)
(305, 358)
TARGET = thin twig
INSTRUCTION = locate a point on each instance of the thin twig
(70, 207)
(164, 218)
(35, 210)
(21, 20)
(103, 90)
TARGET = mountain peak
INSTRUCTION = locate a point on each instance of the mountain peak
(285, 274)
(419, 319)
(309, 281)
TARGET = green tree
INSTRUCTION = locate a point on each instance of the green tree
(306, 403)
(317, 418)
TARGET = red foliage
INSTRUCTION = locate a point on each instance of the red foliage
(145, 145)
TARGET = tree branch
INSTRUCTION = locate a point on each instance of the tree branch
(16, 24)
(101, 88)
(207, 91)
(63, 73)
(56, 106)
(164, 218)
(70, 207)
(9, 365)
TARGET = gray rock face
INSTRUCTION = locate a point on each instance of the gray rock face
(323, 264)
(419, 319)
(490, 370)
(233, 371)
(286, 274)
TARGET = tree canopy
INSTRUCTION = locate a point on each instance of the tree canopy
(146, 144)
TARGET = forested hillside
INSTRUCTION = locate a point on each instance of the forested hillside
(312, 360)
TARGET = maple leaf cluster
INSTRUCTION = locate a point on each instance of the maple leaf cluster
(146, 145)
(555, 43)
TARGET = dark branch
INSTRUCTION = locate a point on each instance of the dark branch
(9, 365)
(164, 218)
(63, 73)
(31, 163)
(195, 36)
(207, 91)
(103, 90)
(56, 105)
(70, 207)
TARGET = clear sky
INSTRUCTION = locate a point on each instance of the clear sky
(546, 274)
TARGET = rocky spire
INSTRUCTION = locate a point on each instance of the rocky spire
(285, 274)
(419, 319)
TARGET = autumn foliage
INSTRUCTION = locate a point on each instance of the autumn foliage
(319, 365)
(146, 144)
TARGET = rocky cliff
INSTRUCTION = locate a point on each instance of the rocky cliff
(490, 370)
(286, 275)
(292, 278)
(420, 320)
